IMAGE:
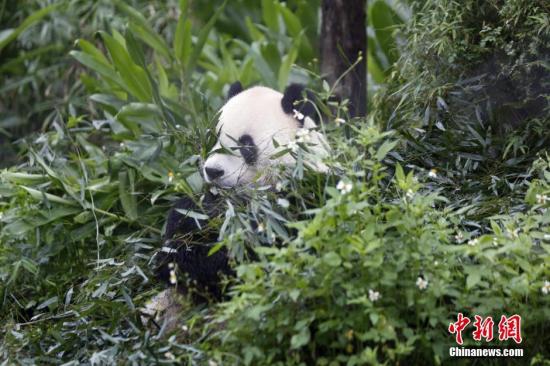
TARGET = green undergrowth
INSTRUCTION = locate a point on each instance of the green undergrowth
(430, 208)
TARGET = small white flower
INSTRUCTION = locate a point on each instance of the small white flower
(178, 126)
(546, 236)
(170, 176)
(344, 187)
(103, 147)
(374, 295)
(473, 242)
(279, 186)
(514, 234)
(339, 121)
(421, 283)
(546, 288)
(459, 237)
(409, 194)
(298, 115)
(283, 202)
(170, 356)
(212, 363)
(273, 236)
(185, 328)
(436, 263)
(293, 146)
(302, 132)
(432, 173)
(122, 144)
(173, 278)
(261, 228)
(495, 242)
(171, 265)
(303, 135)
(542, 199)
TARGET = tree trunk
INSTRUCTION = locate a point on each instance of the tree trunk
(343, 39)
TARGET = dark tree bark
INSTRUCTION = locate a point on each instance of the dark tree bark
(343, 39)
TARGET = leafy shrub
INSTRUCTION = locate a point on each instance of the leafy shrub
(380, 271)
(469, 94)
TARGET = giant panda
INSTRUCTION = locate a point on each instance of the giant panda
(254, 125)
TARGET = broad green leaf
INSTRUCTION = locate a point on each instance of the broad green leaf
(134, 48)
(22, 178)
(102, 69)
(166, 89)
(229, 64)
(300, 339)
(39, 195)
(151, 38)
(182, 40)
(473, 279)
(134, 116)
(383, 20)
(253, 31)
(270, 15)
(92, 50)
(263, 68)
(134, 77)
(374, 68)
(332, 259)
(286, 65)
(384, 149)
(193, 214)
(51, 302)
(141, 28)
(127, 197)
(292, 22)
(399, 174)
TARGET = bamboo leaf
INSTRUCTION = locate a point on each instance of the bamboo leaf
(182, 40)
(135, 78)
(127, 197)
(201, 40)
(141, 28)
(270, 15)
(8, 35)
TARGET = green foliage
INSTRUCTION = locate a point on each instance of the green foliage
(429, 209)
(381, 270)
(40, 81)
(383, 43)
(82, 215)
(383, 49)
(471, 103)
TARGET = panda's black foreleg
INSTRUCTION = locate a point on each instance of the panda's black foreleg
(184, 261)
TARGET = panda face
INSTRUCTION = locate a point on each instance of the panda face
(248, 124)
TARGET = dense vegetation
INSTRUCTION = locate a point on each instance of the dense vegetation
(438, 201)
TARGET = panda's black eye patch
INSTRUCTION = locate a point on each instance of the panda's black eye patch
(248, 149)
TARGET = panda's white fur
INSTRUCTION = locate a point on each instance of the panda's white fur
(257, 112)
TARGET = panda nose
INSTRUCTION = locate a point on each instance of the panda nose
(213, 173)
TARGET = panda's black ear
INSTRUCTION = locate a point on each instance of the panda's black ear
(234, 89)
(295, 98)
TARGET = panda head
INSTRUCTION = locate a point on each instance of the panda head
(255, 124)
